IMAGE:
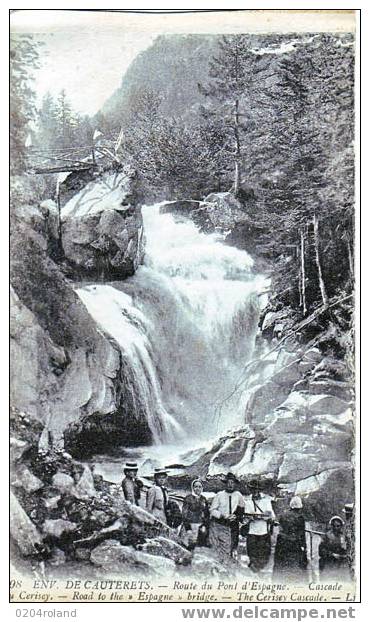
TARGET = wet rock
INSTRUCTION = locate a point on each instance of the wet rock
(276, 322)
(310, 359)
(326, 405)
(76, 372)
(336, 388)
(102, 228)
(287, 423)
(183, 208)
(17, 449)
(229, 454)
(265, 459)
(167, 548)
(297, 466)
(63, 482)
(85, 486)
(57, 527)
(57, 558)
(22, 530)
(110, 554)
(224, 210)
(288, 375)
(263, 400)
(26, 480)
(206, 564)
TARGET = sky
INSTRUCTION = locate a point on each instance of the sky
(88, 65)
(87, 53)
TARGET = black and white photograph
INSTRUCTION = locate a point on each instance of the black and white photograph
(182, 338)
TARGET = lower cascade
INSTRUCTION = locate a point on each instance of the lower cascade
(186, 323)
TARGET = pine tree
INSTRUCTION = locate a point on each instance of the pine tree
(67, 122)
(232, 90)
(310, 168)
(24, 57)
(47, 123)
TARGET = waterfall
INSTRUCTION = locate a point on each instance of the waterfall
(186, 322)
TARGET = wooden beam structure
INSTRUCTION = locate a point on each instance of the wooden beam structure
(61, 169)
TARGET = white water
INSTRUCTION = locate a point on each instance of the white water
(186, 322)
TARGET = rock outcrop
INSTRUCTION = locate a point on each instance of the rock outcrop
(63, 369)
(102, 229)
(298, 436)
(75, 517)
(221, 212)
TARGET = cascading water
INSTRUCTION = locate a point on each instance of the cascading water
(186, 322)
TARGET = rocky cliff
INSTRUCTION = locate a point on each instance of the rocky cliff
(172, 66)
(63, 369)
(298, 433)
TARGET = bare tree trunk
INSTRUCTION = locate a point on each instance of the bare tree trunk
(60, 239)
(350, 260)
(324, 295)
(237, 148)
(303, 275)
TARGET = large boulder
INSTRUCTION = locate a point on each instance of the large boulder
(263, 399)
(224, 210)
(221, 212)
(102, 230)
(22, 530)
(126, 560)
(56, 528)
(326, 493)
(26, 480)
(265, 459)
(206, 563)
(164, 547)
(182, 208)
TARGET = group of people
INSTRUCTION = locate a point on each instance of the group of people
(230, 515)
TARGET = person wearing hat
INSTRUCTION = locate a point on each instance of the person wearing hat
(227, 510)
(333, 560)
(290, 560)
(195, 517)
(157, 498)
(131, 486)
(258, 508)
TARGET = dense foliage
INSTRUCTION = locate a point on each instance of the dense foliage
(59, 127)
(24, 57)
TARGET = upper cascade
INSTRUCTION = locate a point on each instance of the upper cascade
(186, 321)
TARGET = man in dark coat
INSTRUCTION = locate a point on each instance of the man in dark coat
(290, 562)
(131, 486)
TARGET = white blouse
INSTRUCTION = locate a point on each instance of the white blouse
(258, 527)
(225, 503)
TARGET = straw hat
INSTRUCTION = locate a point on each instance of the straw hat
(159, 471)
(131, 466)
